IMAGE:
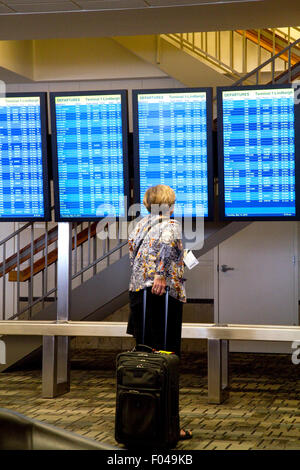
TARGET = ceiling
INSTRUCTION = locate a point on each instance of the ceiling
(44, 19)
(48, 6)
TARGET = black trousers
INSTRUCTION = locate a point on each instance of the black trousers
(155, 320)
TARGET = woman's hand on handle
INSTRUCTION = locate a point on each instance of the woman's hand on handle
(159, 285)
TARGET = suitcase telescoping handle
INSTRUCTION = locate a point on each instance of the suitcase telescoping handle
(166, 314)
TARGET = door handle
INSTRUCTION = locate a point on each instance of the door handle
(225, 268)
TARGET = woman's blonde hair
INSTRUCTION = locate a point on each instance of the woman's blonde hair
(160, 195)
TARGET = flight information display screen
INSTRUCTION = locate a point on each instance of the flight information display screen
(257, 150)
(23, 160)
(90, 142)
(173, 146)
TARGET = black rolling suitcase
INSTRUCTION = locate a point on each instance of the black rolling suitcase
(147, 407)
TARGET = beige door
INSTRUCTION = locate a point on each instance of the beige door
(257, 280)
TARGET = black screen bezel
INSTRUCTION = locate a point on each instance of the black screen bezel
(209, 127)
(46, 184)
(221, 191)
(124, 111)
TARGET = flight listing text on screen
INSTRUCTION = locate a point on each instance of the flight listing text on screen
(90, 156)
(259, 153)
(21, 164)
(173, 148)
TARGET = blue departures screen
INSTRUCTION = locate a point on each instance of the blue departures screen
(90, 156)
(173, 148)
(21, 165)
(259, 153)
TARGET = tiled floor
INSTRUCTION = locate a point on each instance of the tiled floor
(263, 411)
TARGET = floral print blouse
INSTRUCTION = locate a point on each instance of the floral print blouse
(155, 248)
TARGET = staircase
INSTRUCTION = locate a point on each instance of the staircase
(236, 53)
(273, 42)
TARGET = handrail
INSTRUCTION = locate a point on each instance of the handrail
(287, 36)
(266, 43)
(12, 261)
(84, 234)
(103, 257)
(12, 235)
(21, 255)
(198, 51)
(74, 276)
(35, 302)
(190, 46)
(16, 232)
(272, 59)
(38, 245)
(40, 264)
(279, 78)
(283, 333)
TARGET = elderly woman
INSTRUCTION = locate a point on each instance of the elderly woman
(156, 255)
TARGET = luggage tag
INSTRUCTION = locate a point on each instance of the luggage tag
(190, 260)
(164, 352)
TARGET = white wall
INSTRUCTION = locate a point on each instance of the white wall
(88, 59)
(200, 280)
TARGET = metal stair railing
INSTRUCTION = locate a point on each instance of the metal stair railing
(292, 34)
(92, 265)
(289, 75)
(86, 262)
(273, 41)
(197, 44)
(184, 42)
(21, 255)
